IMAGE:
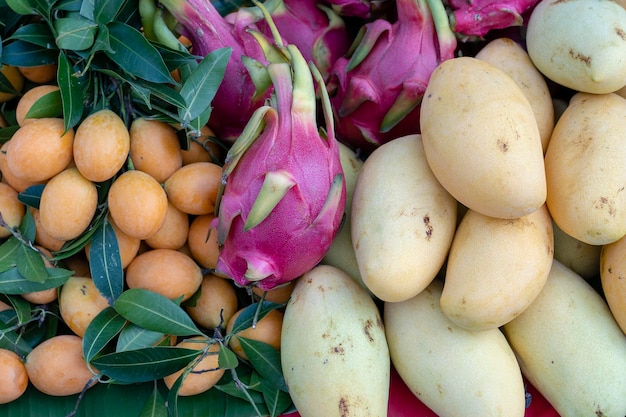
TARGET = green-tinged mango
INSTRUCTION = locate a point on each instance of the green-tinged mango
(571, 349)
(333, 349)
(403, 220)
(454, 371)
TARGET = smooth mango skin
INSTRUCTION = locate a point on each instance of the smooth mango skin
(579, 44)
(496, 268)
(403, 220)
(334, 353)
(454, 371)
(613, 279)
(571, 349)
(586, 169)
(512, 58)
(481, 139)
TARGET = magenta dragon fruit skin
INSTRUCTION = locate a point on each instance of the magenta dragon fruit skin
(376, 92)
(283, 194)
(356, 8)
(237, 97)
(478, 17)
(319, 33)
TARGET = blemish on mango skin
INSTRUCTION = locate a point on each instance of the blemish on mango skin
(344, 409)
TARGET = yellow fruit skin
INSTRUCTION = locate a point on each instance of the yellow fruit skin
(154, 148)
(216, 304)
(79, 302)
(203, 376)
(101, 145)
(11, 208)
(40, 150)
(267, 330)
(496, 268)
(28, 99)
(166, 271)
(481, 139)
(571, 349)
(193, 188)
(16, 79)
(613, 279)
(454, 371)
(68, 204)
(57, 366)
(333, 350)
(13, 376)
(403, 220)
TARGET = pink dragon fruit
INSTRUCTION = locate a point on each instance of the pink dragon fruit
(319, 33)
(477, 17)
(239, 94)
(283, 194)
(356, 8)
(376, 92)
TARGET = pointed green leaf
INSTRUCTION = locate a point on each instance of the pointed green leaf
(105, 262)
(26, 7)
(135, 55)
(32, 195)
(144, 365)
(21, 307)
(136, 337)
(36, 33)
(254, 311)
(75, 33)
(155, 312)
(266, 361)
(277, 400)
(154, 405)
(22, 53)
(227, 359)
(200, 88)
(12, 282)
(275, 186)
(31, 265)
(28, 228)
(8, 253)
(106, 11)
(101, 330)
(49, 105)
(6, 86)
(71, 92)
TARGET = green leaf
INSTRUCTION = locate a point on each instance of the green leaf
(136, 337)
(154, 405)
(135, 55)
(75, 33)
(21, 307)
(12, 282)
(32, 195)
(71, 92)
(155, 312)
(227, 359)
(101, 330)
(277, 401)
(107, 10)
(48, 105)
(6, 86)
(144, 365)
(266, 360)
(200, 88)
(36, 33)
(26, 7)
(105, 262)
(28, 228)
(247, 316)
(31, 265)
(26, 54)
(8, 253)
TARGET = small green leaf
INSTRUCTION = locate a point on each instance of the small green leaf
(26, 7)
(28, 227)
(12, 282)
(101, 330)
(71, 92)
(136, 337)
(48, 105)
(31, 265)
(144, 365)
(200, 88)
(6, 86)
(154, 405)
(247, 316)
(277, 400)
(105, 262)
(22, 53)
(36, 33)
(8, 253)
(266, 361)
(227, 359)
(135, 55)
(75, 33)
(106, 11)
(32, 195)
(155, 312)
(21, 307)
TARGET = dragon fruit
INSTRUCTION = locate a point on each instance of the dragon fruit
(283, 192)
(319, 33)
(240, 93)
(376, 92)
(477, 17)
(356, 8)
